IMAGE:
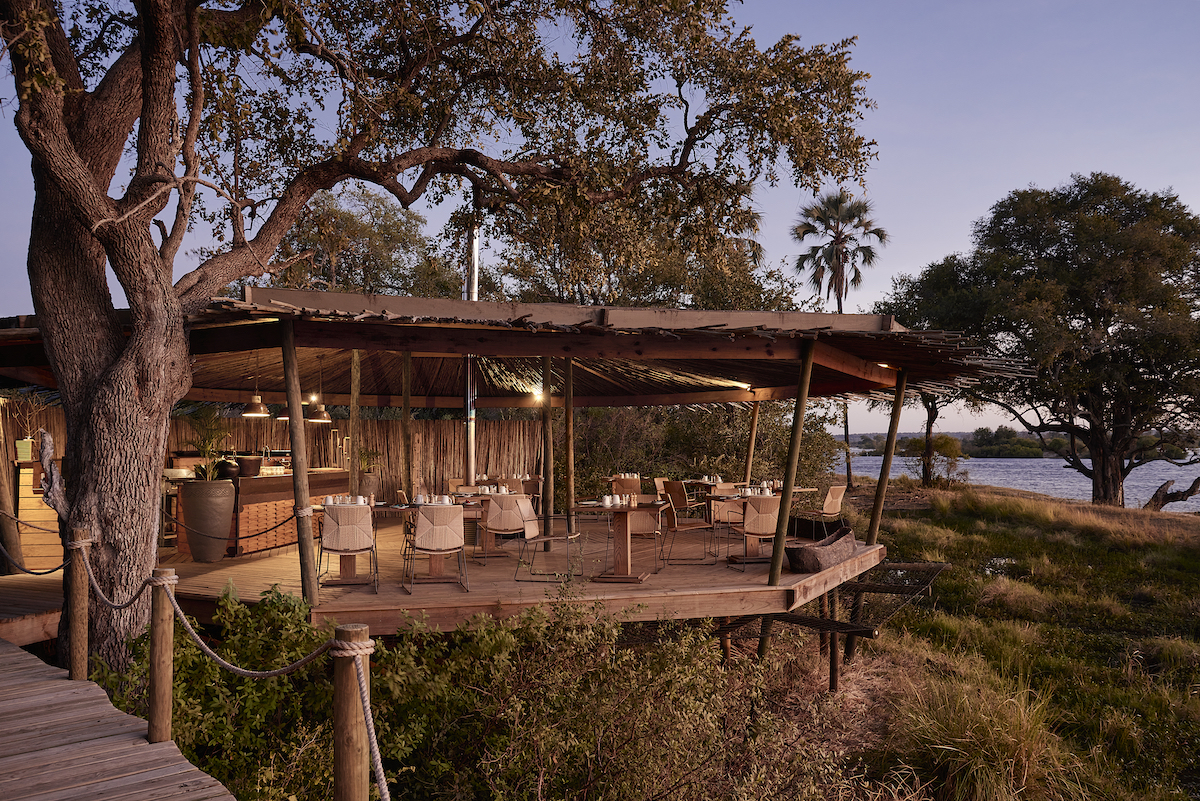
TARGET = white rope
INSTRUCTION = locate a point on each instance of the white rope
(358, 650)
(240, 671)
(24, 569)
(16, 519)
(152, 581)
(303, 511)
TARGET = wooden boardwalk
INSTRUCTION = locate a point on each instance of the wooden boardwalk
(62, 740)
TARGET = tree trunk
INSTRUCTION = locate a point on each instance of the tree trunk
(931, 415)
(1108, 483)
(1162, 496)
(117, 395)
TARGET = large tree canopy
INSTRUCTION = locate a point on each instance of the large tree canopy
(238, 113)
(1094, 283)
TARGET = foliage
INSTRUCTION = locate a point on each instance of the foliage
(1093, 284)
(845, 223)
(1003, 443)
(563, 701)
(650, 250)
(975, 742)
(930, 301)
(208, 432)
(360, 241)
(943, 466)
(682, 442)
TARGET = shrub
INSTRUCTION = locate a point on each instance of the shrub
(972, 741)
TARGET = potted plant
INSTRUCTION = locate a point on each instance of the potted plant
(207, 502)
(24, 407)
(369, 480)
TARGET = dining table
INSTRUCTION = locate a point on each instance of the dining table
(622, 569)
(409, 511)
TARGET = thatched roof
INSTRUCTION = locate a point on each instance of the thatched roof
(622, 356)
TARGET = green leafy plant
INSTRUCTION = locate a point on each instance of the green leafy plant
(208, 432)
(368, 460)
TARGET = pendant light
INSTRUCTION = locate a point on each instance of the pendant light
(319, 415)
(256, 408)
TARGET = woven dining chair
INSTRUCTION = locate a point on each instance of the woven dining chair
(349, 531)
(500, 516)
(759, 521)
(439, 532)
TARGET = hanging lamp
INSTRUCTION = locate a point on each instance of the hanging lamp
(256, 408)
(319, 415)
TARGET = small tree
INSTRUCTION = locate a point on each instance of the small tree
(845, 223)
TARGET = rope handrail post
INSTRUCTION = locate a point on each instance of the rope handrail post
(77, 603)
(162, 666)
(351, 765)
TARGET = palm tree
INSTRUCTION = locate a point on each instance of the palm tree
(842, 222)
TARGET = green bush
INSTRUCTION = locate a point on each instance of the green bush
(559, 702)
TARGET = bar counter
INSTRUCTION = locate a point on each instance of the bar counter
(265, 504)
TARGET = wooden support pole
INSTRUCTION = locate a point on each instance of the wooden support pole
(833, 642)
(351, 751)
(885, 471)
(789, 475)
(569, 425)
(304, 531)
(352, 425)
(547, 450)
(162, 658)
(889, 451)
(406, 428)
(77, 606)
(750, 441)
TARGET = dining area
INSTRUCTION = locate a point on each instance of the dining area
(629, 535)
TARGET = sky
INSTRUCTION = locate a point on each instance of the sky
(973, 100)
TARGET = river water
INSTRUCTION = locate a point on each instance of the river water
(1050, 477)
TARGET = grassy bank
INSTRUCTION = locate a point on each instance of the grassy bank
(1062, 648)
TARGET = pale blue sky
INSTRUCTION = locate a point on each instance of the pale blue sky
(974, 100)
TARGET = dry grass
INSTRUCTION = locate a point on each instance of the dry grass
(1017, 597)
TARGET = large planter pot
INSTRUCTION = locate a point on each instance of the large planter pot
(208, 514)
(370, 484)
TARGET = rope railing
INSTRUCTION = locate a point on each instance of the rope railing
(348, 751)
(238, 538)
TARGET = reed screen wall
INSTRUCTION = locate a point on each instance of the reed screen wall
(503, 447)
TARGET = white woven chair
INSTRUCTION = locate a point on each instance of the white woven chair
(349, 531)
(759, 521)
(439, 532)
(500, 516)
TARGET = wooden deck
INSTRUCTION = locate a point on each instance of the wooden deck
(678, 591)
(62, 740)
(30, 607)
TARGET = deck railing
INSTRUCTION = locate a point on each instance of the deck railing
(356, 749)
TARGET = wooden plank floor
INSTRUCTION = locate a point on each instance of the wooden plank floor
(30, 607)
(678, 591)
(62, 740)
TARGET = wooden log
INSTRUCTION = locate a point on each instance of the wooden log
(569, 430)
(351, 754)
(353, 426)
(304, 534)
(750, 441)
(162, 666)
(77, 606)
